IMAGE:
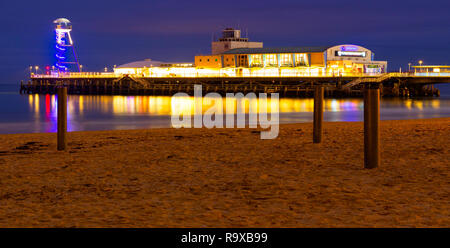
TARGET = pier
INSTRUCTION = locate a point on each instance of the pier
(391, 84)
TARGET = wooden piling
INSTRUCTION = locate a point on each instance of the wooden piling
(371, 127)
(62, 119)
(318, 114)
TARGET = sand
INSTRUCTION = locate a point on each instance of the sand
(228, 178)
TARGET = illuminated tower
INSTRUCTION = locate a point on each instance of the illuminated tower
(66, 58)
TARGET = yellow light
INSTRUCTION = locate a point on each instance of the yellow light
(36, 104)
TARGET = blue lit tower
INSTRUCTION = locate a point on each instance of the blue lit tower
(66, 58)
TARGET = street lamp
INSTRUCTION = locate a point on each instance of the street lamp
(81, 68)
(31, 69)
(106, 69)
(409, 67)
(36, 67)
(420, 63)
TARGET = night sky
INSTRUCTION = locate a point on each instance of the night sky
(113, 32)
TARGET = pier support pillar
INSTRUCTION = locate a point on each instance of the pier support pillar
(371, 126)
(318, 114)
(62, 119)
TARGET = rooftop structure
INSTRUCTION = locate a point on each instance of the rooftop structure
(231, 39)
(277, 50)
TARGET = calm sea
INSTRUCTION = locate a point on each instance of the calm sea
(37, 113)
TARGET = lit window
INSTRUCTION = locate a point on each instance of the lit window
(286, 59)
(301, 59)
(271, 60)
(257, 60)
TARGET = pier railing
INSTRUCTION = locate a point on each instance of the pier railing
(223, 74)
(238, 75)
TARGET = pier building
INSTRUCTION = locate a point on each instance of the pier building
(236, 65)
(234, 56)
(294, 61)
(432, 70)
(152, 68)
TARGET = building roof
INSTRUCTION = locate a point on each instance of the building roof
(62, 20)
(277, 50)
(141, 64)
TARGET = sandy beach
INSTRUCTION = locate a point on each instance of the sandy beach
(228, 178)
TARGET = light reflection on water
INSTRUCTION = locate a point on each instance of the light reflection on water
(133, 112)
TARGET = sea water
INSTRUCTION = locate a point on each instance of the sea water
(33, 113)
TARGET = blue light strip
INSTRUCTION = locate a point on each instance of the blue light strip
(62, 53)
(60, 48)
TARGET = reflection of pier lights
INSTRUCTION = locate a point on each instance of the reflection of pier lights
(64, 43)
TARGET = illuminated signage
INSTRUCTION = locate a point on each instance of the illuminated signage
(350, 54)
(349, 48)
(373, 66)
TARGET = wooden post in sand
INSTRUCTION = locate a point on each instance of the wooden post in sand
(62, 119)
(371, 127)
(318, 114)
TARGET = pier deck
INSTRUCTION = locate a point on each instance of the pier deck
(392, 84)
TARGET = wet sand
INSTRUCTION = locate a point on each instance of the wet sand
(228, 178)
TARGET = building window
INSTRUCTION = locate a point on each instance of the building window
(200, 60)
(216, 60)
(207, 60)
(301, 59)
(286, 59)
(271, 60)
(257, 60)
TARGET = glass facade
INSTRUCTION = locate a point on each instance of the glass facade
(286, 60)
(272, 60)
(278, 60)
(256, 60)
(301, 59)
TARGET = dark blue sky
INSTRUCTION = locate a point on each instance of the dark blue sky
(115, 32)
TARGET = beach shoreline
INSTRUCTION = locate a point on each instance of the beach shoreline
(228, 178)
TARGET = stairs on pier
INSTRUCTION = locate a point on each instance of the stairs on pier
(367, 80)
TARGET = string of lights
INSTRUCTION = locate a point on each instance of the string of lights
(64, 44)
